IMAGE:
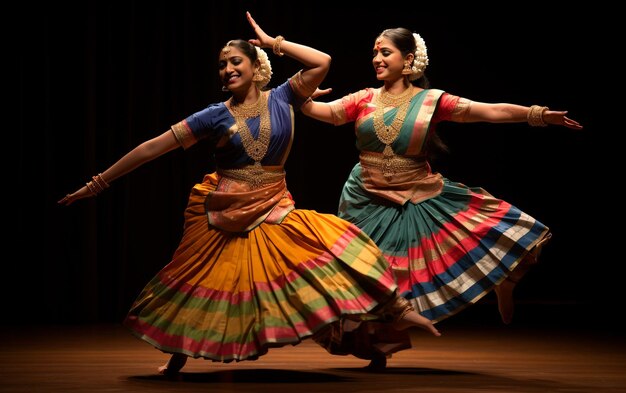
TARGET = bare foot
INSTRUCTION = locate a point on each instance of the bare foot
(506, 305)
(377, 364)
(173, 366)
(504, 290)
(412, 318)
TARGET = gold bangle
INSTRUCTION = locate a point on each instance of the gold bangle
(96, 184)
(535, 116)
(276, 47)
(92, 188)
(100, 182)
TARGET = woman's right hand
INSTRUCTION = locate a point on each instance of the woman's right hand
(321, 92)
(81, 193)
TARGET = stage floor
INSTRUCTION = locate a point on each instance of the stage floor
(469, 357)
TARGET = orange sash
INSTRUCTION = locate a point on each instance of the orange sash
(239, 205)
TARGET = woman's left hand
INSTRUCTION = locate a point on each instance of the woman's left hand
(558, 118)
(262, 39)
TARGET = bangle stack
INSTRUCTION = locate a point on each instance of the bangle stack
(276, 47)
(535, 116)
(97, 184)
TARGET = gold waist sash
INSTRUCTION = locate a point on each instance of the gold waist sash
(399, 179)
(255, 176)
(392, 164)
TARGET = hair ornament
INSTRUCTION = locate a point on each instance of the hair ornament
(265, 69)
(420, 60)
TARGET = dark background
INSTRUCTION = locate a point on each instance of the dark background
(92, 81)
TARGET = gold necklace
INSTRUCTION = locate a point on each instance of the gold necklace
(255, 148)
(388, 133)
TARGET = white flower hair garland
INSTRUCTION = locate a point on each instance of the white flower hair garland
(421, 58)
(265, 70)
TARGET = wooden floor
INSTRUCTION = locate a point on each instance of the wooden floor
(471, 356)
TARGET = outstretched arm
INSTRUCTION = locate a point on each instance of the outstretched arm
(316, 63)
(141, 154)
(474, 112)
(318, 110)
(511, 113)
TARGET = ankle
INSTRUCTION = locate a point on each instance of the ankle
(535, 252)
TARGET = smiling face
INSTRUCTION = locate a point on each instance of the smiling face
(236, 68)
(388, 60)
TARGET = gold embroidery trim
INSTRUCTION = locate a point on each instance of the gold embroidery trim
(253, 175)
(300, 87)
(182, 134)
(461, 110)
(391, 165)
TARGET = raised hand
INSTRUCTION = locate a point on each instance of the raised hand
(262, 39)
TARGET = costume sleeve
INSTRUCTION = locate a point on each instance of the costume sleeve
(292, 91)
(198, 126)
(300, 89)
(348, 108)
(452, 107)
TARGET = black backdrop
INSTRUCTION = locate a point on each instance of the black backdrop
(96, 79)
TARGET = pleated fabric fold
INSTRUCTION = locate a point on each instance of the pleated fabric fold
(449, 251)
(231, 296)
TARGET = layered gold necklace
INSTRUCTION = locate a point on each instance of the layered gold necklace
(387, 134)
(255, 148)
